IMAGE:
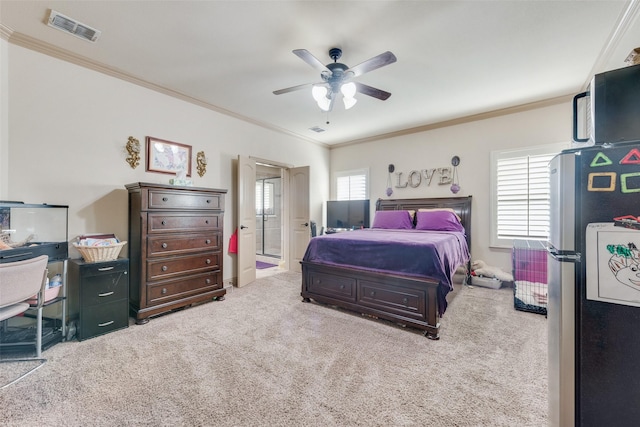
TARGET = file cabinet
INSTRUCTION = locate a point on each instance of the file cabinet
(103, 296)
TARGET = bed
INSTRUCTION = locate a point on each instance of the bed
(391, 273)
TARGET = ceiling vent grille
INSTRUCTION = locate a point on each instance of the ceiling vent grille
(71, 26)
(317, 129)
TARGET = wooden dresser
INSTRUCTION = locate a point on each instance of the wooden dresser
(175, 247)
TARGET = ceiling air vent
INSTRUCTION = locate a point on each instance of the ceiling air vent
(71, 26)
(317, 129)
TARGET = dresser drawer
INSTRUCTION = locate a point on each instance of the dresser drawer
(173, 223)
(166, 268)
(185, 243)
(103, 318)
(332, 286)
(167, 199)
(163, 292)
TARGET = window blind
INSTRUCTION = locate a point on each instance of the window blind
(523, 196)
(351, 187)
(264, 198)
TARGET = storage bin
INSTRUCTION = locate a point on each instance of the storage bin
(99, 253)
(486, 282)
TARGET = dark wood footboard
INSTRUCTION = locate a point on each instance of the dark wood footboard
(407, 301)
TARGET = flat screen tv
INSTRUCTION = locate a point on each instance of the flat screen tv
(348, 214)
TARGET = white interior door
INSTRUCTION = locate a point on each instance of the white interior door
(299, 208)
(246, 221)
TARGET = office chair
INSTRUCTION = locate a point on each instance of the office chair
(20, 281)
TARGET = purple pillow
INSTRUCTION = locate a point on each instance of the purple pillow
(438, 221)
(397, 220)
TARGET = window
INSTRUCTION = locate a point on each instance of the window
(264, 198)
(352, 185)
(520, 198)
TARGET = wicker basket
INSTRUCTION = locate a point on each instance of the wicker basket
(99, 253)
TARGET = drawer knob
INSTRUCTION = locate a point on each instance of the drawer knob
(341, 286)
(164, 291)
(164, 246)
(165, 199)
(208, 261)
(405, 301)
(163, 222)
(208, 200)
(165, 268)
(373, 293)
(208, 241)
(206, 221)
(208, 281)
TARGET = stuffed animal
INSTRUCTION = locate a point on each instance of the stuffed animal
(480, 268)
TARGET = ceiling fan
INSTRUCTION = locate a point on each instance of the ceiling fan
(336, 78)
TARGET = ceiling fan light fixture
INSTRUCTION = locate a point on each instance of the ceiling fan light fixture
(348, 89)
(349, 102)
(324, 104)
(319, 93)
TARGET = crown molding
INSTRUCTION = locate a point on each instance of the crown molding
(5, 32)
(36, 45)
(461, 120)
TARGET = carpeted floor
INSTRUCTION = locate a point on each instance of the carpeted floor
(264, 358)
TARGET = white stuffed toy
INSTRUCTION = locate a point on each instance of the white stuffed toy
(480, 268)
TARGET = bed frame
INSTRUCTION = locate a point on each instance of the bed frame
(405, 300)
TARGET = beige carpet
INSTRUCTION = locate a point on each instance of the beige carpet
(264, 358)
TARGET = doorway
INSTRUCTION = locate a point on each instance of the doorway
(269, 218)
(294, 202)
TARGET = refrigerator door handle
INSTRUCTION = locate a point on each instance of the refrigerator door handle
(563, 257)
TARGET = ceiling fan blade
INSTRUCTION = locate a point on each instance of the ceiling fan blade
(307, 57)
(292, 89)
(372, 91)
(373, 63)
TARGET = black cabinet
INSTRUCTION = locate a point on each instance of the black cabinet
(103, 296)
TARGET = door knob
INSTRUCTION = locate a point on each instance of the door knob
(242, 227)
(306, 224)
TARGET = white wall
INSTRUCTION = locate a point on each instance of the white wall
(4, 116)
(472, 142)
(63, 129)
(67, 131)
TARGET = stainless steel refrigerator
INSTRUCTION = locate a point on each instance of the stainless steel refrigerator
(593, 307)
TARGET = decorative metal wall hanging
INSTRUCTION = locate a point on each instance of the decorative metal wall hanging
(201, 163)
(455, 186)
(133, 148)
(389, 189)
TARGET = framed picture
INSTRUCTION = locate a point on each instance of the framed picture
(168, 157)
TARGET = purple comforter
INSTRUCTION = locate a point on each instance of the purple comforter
(426, 254)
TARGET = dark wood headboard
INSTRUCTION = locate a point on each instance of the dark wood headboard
(461, 205)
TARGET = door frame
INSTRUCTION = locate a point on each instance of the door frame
(286, 212)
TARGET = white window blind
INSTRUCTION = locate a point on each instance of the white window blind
(351, 186)
(264, 198)
(521, 199)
